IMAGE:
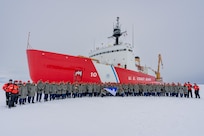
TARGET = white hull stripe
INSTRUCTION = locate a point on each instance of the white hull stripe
(106, 73)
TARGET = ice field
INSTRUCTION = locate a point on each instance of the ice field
(107, 116)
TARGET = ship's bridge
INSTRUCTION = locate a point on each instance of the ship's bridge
(120, 56)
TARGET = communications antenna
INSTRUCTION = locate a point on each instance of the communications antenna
(28, 44)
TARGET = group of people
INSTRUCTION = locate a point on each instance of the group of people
(19, 92)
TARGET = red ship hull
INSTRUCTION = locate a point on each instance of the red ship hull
(49, 66)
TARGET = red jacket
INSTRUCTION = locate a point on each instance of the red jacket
(189, 86)
(196, 88)
(13, 88)
(5, 87)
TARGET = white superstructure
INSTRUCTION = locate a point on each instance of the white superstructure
(120, 55)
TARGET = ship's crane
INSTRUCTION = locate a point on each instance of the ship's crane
(157, 73)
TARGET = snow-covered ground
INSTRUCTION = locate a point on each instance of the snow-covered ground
(108, 116)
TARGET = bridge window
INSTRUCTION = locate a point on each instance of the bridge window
(118, 50)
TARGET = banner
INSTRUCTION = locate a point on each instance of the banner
(112, 90)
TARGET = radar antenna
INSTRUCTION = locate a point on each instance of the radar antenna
(28, 44)
(117, 32)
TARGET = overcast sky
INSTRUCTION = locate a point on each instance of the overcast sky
(174, 28)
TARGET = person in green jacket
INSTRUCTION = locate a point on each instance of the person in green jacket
(53, 91)
(32, 92)
(40, 89)
(46, 90)
(23, 92)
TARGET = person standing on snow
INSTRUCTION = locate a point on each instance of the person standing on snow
(84, 88)
(53, 90)
(90, 89)
(40, 89)
(31, 92)
(185, 90)
(19, 85)
(69, 90)
(131, 91)
(121, 91)
(196, 90)
(64, 90)
(80, 90)
(7, 91)
(28, 85)
(14, 94)
(136, 90)
(103, 93)
(181, 90)
(46, 90)
(59, 90)
(94, 89)
(75, 90)
(189, 89)
(23, 92)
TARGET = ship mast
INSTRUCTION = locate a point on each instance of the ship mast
(117, 32)
(28, 44)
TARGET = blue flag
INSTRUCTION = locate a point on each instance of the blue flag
(112, 90)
